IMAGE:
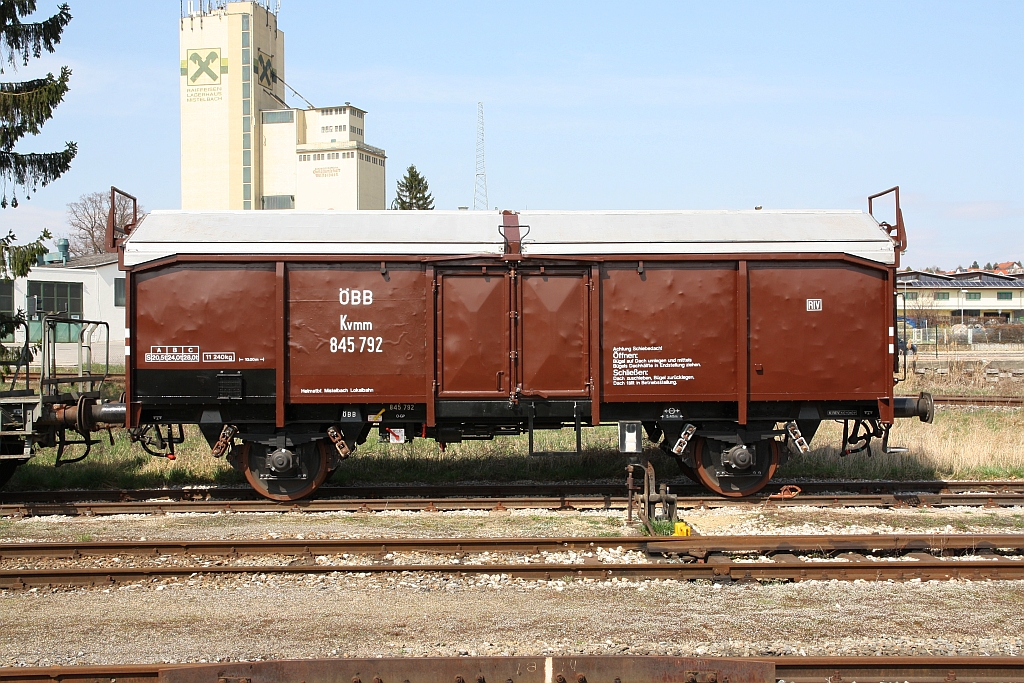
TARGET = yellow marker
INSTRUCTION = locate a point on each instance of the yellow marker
(378, 416)
(682, 529)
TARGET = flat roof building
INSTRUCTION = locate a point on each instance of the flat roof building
(962, 295)
(242, 146)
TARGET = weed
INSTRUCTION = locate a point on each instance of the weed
(963, 443)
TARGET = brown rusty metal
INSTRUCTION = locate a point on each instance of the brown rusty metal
(511, 233)
(853, 493)
(721, 570)
(224, 441)
(280, 342)
(742, 342)
(482, 669)
(338, 439)
(474, 343)
(225, 307)
(695, 546)
(737, 487)
(396, 368)
(116, 233)
(809, 355)
(205, 505)
(262, 486)
(515, 327)
(536, 670)
(552, 339)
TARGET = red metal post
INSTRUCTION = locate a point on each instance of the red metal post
(430, 299)
(742, 343)
(595, 345)
(282, 335)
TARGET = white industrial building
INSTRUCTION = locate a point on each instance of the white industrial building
(86, 287)
(242, 146)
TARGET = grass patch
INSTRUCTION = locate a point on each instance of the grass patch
(963, 443)
(662, 527)
(964, 377)
(125, 465)
(505, 459)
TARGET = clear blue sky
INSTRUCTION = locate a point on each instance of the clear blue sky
(606, 105)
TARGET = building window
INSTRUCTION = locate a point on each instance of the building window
(7, 303)
(910, 296)
(357, 131)
(57, 297)
(7, 297)
(942, 296)
(1004, 296)
(280, 201)
(974, 296)
(119, 291)
(278, 117)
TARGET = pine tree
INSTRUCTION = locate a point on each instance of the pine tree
(413, 192)
(25, 106)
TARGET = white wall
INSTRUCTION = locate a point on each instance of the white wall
(97, 304)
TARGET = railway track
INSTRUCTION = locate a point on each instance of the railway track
(717, 558)
(574, 669)
(944, 400)
(502, 498)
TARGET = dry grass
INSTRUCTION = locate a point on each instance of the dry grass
(963, 443)
(963, 378)
(125, 465)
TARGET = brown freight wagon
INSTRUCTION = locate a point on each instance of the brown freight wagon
(289, 336)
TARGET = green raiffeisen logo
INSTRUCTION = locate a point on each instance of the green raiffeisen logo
(202, 70)
(264, 68)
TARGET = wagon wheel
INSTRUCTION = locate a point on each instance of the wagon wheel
(748, 471)
(288, 476)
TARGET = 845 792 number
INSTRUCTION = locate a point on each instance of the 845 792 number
(364, 345)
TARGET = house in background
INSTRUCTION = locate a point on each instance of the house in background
(946, 298)
(86, 287)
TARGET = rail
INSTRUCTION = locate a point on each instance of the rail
(546, 669)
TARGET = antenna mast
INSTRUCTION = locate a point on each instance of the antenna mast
(480, 190)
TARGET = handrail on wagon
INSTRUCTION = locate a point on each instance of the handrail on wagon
(116, 233)
(89, 381)
(900, 236)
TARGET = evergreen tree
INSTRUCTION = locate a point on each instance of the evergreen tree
(988, 266)
(975, 265)
(25, 106)
(413, 192)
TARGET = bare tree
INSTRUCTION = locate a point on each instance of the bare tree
(87, 220)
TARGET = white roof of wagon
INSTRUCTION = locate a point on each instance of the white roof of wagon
(568, 233)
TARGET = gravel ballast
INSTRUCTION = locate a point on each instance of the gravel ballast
(212, 617)
(271, 616)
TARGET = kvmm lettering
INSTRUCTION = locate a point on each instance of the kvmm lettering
(355, 297)
(346, 325)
